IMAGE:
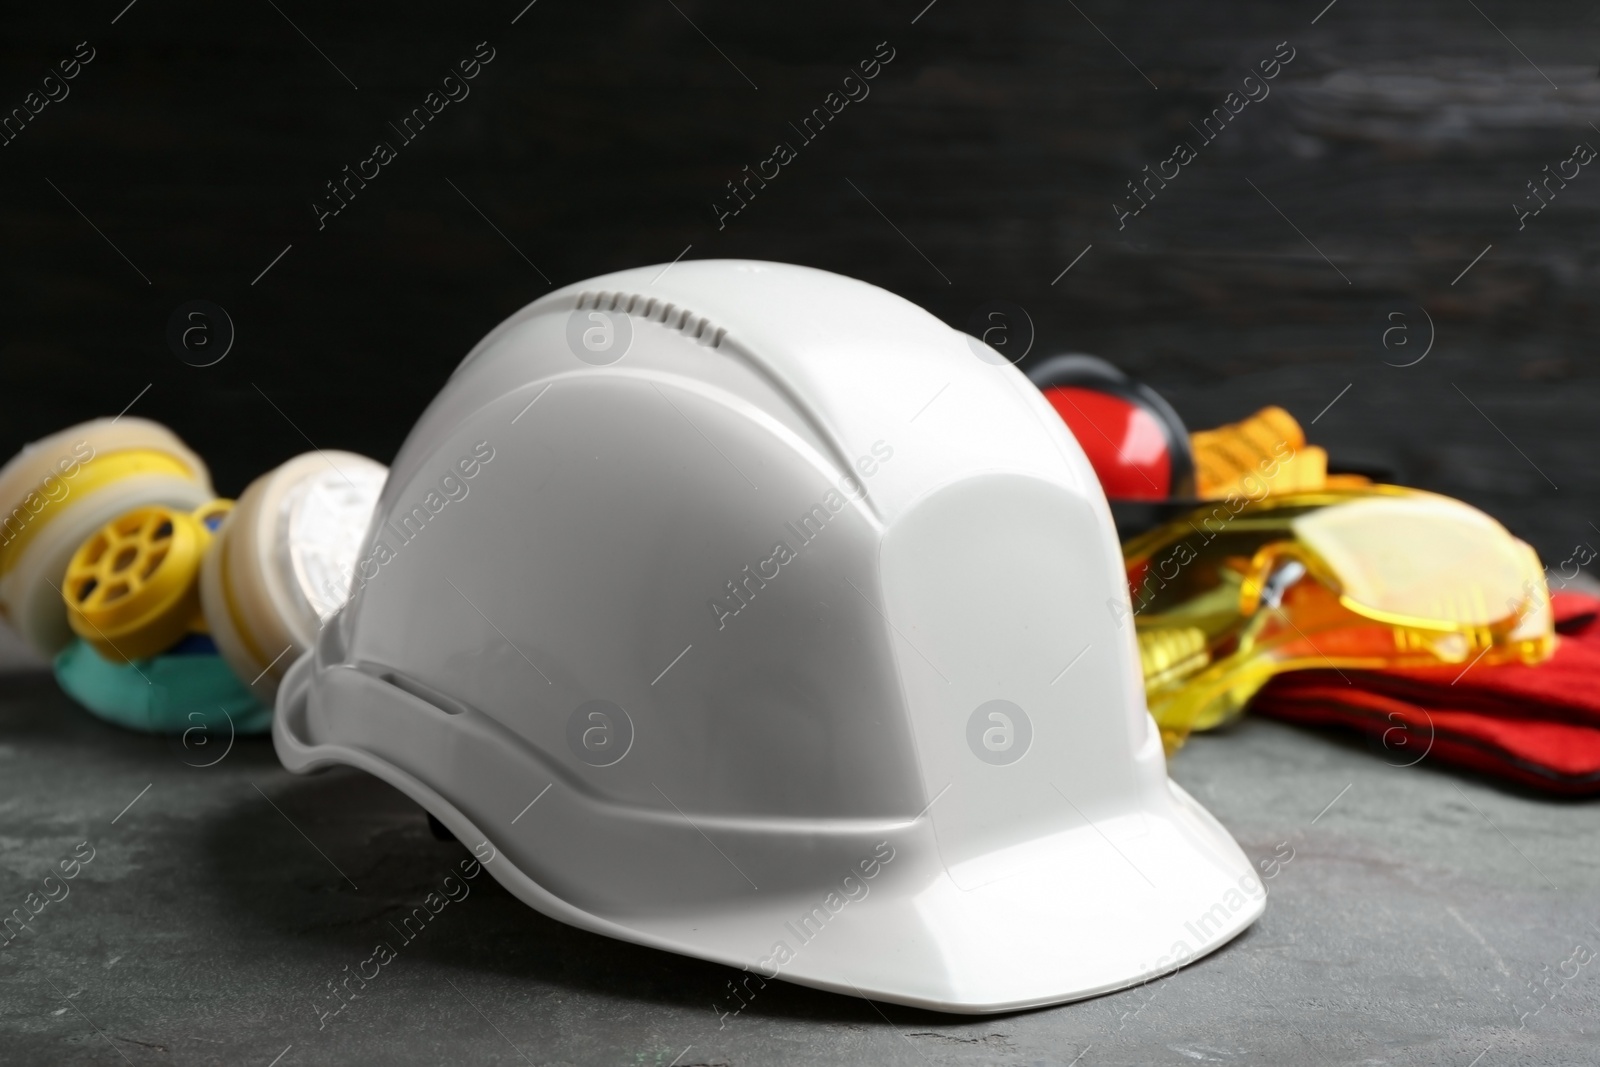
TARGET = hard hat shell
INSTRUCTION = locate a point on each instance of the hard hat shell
(742, 610)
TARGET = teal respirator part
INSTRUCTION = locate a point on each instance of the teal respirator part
(187, 686)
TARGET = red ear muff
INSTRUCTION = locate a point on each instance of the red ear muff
(1135, 441)
(1125, 444)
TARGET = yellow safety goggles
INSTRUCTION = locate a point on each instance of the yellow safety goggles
(1379, 576)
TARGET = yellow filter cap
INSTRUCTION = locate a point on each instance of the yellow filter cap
(132, 589)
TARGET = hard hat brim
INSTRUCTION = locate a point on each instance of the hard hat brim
(1097, 907)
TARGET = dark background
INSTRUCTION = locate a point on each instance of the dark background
(1396, 140)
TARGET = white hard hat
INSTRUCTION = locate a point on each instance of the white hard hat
(750, 612)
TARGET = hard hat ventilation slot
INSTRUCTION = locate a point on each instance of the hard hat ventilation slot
(406, 684)
(685, 321)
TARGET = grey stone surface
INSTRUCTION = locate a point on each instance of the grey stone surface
(1417, 908)
(15, 655)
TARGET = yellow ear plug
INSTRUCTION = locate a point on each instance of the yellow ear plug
(1265, 454)
(132, 589)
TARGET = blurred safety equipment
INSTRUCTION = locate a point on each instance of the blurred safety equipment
(283, 561)
(133, 588)
(60, 490)
(1228, 596)
(778, 635)
(1537, 726)
(1265, 453)
(187, 690)
(1133, 438)
(1236, 458)
(1153, 469)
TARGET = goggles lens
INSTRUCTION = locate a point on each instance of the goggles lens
(1421, 559)
(1366, 578)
